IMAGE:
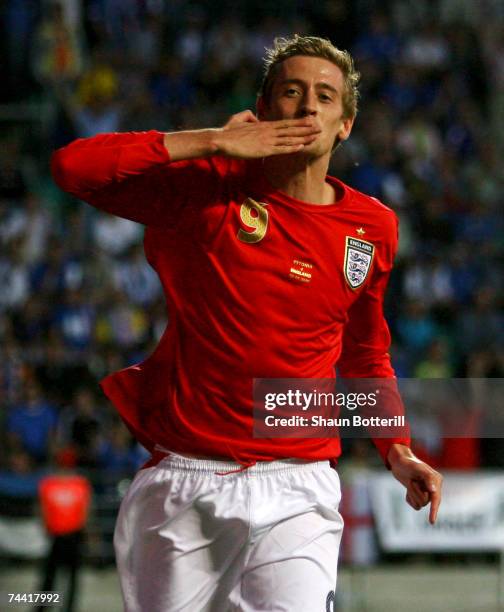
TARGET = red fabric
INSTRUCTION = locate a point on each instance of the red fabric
(463, 453)
(235, 311)
(65, 503)
(460, 454)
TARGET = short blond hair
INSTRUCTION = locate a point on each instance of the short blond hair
(312, 46)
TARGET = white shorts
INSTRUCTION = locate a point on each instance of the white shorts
(263, 539)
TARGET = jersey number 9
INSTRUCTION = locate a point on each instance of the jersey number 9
(259, 222)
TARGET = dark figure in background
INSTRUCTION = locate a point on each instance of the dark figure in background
(65, 498)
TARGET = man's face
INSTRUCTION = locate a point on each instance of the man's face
(309, 87)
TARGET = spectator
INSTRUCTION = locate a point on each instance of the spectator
(483, 325)
(18, 484)
(31, 424)
(416, 327)
(74, 320)
(114, 234)
(136, 278)
(427, 49)
(61, 370)
(14, 279)
(65, 499)
(81, 427)
(190, 40)
(436, 363)
(123, 324)
(57, 52)
(119, 453)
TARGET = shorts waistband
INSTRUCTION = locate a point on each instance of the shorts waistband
(213, 466)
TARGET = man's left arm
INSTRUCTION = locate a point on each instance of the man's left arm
(366, 343)
(423, 483)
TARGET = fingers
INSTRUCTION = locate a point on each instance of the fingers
(432, 483)
(413, 504)
(420, 493)
(288, 123)
(284, 149)
(246, 116)
(249, 117)
(292, 141)
(416, 497)
(423, 484)
(303, 130)
(435, 503)
(291, 145)
(246, 137)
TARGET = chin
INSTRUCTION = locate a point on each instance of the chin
(314, 150)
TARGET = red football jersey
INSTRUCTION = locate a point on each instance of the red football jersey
(257, 285)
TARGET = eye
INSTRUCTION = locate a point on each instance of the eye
(291, 92)
(325, 97)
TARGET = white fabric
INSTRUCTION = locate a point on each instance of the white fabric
(263, 539)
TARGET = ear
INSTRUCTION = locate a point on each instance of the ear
(346, 128)
(260, 108)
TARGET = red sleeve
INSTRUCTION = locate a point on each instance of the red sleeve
(130, 175)
(366, 338)
(366, 342)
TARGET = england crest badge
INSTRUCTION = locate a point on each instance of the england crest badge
(358, 258)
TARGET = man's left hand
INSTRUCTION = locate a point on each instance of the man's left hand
(423, 484)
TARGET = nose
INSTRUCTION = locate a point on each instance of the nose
(308, 105)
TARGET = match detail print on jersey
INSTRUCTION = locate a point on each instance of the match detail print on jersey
(257, 221)
(301, 271)
(358, 258)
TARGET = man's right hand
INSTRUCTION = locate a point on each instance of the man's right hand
(244, 136)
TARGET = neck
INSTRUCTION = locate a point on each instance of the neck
(300, 177)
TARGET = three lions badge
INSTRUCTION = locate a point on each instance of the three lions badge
(358, 258)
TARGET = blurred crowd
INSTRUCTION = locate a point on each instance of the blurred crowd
(77, 298)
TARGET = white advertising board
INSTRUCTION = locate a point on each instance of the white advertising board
(471, 516)
(23, 537)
